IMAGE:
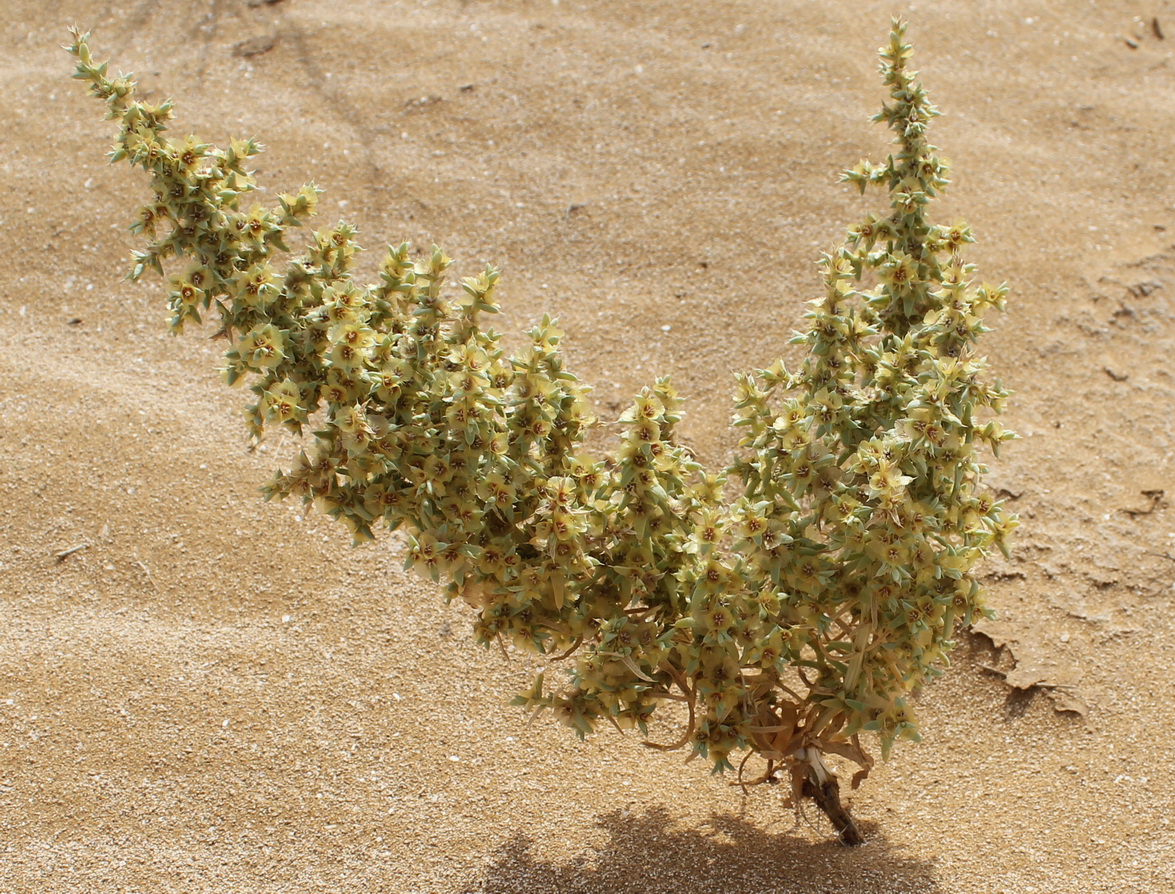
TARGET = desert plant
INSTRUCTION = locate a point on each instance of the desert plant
(792, 601)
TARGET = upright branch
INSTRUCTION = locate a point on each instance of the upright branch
(790, 620)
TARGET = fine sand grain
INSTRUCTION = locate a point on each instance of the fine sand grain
(213, 694)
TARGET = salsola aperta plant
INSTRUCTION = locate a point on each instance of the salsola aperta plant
(791, 601)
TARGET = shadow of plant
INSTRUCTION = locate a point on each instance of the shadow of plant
(646, 854)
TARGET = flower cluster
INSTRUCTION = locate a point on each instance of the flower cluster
(792, 601)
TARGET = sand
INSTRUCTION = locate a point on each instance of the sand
(216, 694)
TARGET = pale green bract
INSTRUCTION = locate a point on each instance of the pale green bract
(792, 601)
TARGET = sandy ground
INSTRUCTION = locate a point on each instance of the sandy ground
(215, 694)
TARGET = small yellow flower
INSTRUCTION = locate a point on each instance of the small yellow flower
(898, 270)
(263, 347)
(282, 403)
(255, 286)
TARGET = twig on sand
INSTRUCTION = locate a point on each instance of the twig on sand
(993, 670)
(66, 553)
(146, 571)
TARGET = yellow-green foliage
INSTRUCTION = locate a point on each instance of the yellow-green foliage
(790, 618)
